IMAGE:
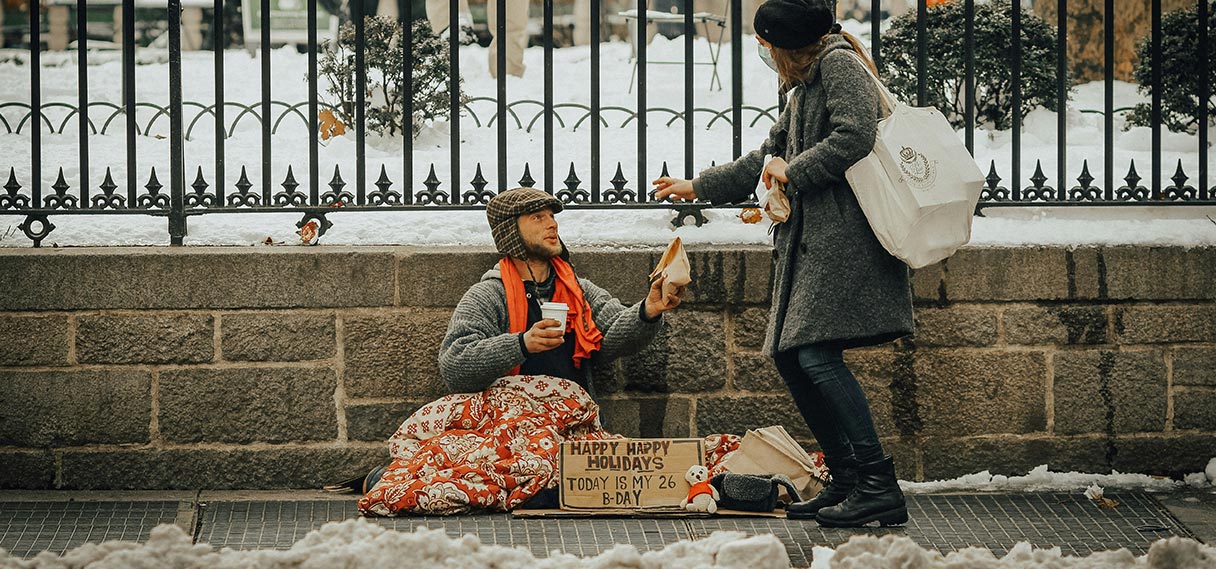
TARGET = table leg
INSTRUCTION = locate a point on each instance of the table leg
(57, 17)
(192, 33)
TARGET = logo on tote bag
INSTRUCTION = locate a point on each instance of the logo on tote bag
(918, 171)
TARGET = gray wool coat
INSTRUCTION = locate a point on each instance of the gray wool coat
(832, 280)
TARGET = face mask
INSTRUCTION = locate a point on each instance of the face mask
(766, 55)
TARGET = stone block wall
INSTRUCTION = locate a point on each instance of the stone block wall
(288, 367)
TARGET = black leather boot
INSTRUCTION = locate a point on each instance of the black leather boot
(877, 497)
(843, 474)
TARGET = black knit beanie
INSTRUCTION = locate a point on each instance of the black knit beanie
(794, 24)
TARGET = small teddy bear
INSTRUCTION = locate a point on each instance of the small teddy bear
(702, 497)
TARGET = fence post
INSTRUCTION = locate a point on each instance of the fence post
(177, 158)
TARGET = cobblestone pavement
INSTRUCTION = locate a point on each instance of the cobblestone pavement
(31, 522)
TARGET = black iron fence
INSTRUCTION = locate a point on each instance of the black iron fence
(213, 189)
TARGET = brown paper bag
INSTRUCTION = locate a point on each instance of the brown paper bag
(773, 201)
(674, 265)
(777, 204)
(771, 450)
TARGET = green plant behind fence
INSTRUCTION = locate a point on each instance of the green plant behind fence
(945, 71)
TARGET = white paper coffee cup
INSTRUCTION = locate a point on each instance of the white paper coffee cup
(556, 311)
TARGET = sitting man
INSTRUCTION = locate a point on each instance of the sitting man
(497, 329)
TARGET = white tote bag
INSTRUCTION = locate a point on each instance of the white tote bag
(919, 186)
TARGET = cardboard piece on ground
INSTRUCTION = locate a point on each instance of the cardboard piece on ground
(626, 474)
(771, 450)
(643, 513)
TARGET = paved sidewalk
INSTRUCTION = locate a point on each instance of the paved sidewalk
(57, 521)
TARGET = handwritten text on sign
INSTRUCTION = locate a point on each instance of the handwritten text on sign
(627, 473)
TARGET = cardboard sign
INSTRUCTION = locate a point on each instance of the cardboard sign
(627, 474)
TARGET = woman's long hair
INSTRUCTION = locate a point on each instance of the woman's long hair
(793, 65)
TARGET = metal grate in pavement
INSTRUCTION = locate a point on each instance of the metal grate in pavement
(942, 522)
(996, 522)
(28, 528)
(277, 525)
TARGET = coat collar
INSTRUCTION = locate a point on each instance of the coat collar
(836, 42)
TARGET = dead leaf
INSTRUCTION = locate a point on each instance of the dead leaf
(1097, 496)
(308, 233)
(751, 215)
(331, 126)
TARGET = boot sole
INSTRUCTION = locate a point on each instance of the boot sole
(801, 515)
(894, 517)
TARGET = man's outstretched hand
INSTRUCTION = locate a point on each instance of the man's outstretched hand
(657, 302)
(540, 338)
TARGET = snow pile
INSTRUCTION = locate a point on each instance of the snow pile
(359, 542)
(362, 543)
(892, 551)
(1040, 479)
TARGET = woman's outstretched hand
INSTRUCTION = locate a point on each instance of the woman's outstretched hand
(774, 170)
(677, 187)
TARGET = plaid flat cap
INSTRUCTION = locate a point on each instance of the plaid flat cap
(505, 208)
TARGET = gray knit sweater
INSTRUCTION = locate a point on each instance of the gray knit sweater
(479, 348)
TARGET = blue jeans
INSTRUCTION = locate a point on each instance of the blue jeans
(831, 401)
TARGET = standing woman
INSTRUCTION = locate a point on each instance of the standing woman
(834, 286)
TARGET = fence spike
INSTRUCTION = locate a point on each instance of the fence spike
(1180, 190)
(154, 186)
(1038, 178)
(993, 178)
(61, 185)
(383, 182)
(1132, 178)
(107, 185)
(479, 181)
(618, 180)
(289, 183)
(336, 183)
(572, 180)
(244, 184)
(1085, 178)
(527, 180)
(432, 181)
(13, 185)
(200, 185)
(1179, 176)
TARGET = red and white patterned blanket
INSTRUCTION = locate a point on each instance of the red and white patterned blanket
(493, 450)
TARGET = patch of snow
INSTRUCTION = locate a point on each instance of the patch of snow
(900, 552)
(1040, 479)
(361, 543)
(1197, 480)
(601, 228)
(1210, 470)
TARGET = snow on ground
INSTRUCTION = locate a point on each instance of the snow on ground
(665, 143)
(1040, 479)
(1003, 227)
(899, 552)
(339, 544)
(363, 543)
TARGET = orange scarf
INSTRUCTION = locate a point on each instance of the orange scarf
(587, 337)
